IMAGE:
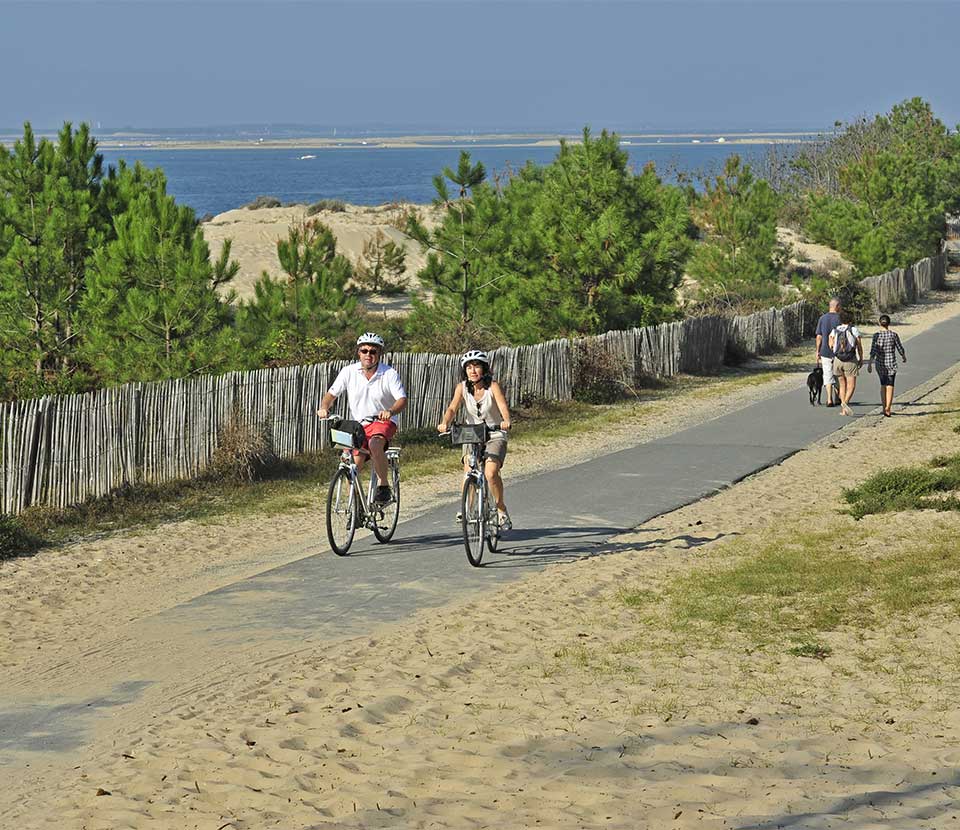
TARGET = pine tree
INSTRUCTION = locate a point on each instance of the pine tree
(738, 217)
(51, 219)
(382, 266)
(291, 318)
(153, 307)
(460, 238)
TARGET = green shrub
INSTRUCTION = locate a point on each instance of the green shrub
(853, 296)
(14, 539)
(263, 202)
(908, 488)
(329, 205)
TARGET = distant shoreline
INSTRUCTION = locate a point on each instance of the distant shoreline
(519, 140)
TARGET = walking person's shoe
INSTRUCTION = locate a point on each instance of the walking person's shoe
(384, 495)
(504, 520)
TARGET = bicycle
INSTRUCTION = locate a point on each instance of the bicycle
(347, 506)
(478, 511)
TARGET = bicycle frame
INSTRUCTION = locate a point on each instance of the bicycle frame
(349, 463)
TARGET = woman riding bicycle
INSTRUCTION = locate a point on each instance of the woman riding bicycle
(484, 403)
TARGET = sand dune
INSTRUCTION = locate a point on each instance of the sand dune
(255, 234)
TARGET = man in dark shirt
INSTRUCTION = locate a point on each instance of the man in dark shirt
(826, 324)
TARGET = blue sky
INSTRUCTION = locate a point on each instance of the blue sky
(535, 65)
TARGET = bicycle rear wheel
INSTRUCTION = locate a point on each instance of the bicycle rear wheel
(384, 528)
(342, 511)
(474, 516)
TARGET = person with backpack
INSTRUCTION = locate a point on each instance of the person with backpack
(883, 355)
(827, 323)
(847, 358)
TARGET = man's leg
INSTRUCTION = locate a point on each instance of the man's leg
(827, 364)
(379, 458)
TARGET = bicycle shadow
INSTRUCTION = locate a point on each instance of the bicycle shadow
(530, 547)
(569, 544)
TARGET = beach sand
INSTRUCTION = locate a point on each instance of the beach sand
(254, 235)
(547, 702)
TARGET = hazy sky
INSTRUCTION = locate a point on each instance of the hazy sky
(460, 64)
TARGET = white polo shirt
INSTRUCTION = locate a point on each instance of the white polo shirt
(368, 397)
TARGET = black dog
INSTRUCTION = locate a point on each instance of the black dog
(815, 385)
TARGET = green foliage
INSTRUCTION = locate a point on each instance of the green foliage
(931, 487)
(612, 242)
(152, 308)
(312, 303)
(263, 202)
(812, 649)
(458, 242)
(884, 191)
(289, 349)
(328, 205)
(14, 539)
(737, 215)
(604, 247)
(846, 286)
(51, 219)
(382, 266)
(438, 327)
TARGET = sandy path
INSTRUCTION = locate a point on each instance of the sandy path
(101, 588)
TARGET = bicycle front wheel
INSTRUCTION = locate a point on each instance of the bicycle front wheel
(384, 528)
(341, 513)
(492, 528)
(472, 510)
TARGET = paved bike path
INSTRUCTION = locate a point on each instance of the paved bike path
(560, 516)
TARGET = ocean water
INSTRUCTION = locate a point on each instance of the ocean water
(212, 181)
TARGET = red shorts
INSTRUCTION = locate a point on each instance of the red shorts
(385, 429)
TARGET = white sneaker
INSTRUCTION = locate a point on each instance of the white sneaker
(504, 518)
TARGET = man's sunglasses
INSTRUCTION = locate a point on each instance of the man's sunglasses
(369, 351)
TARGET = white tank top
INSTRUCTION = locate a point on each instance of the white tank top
(484, 410)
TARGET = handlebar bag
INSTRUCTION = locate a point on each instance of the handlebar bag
(468, 433)
(348, 434)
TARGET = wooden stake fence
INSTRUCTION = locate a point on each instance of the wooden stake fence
(62, 450)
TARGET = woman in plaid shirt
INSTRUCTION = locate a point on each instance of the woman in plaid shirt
(883, 355)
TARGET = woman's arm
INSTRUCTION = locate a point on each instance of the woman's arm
(501, 400)
(451, 410)
(899, 343)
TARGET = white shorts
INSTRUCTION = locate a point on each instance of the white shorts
(827, 364)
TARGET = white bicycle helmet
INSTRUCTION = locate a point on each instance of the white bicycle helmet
(474, 356)
(371, 338)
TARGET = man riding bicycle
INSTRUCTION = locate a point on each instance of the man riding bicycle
(376, 395)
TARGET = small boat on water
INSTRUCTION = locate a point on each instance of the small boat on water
(308, 156)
